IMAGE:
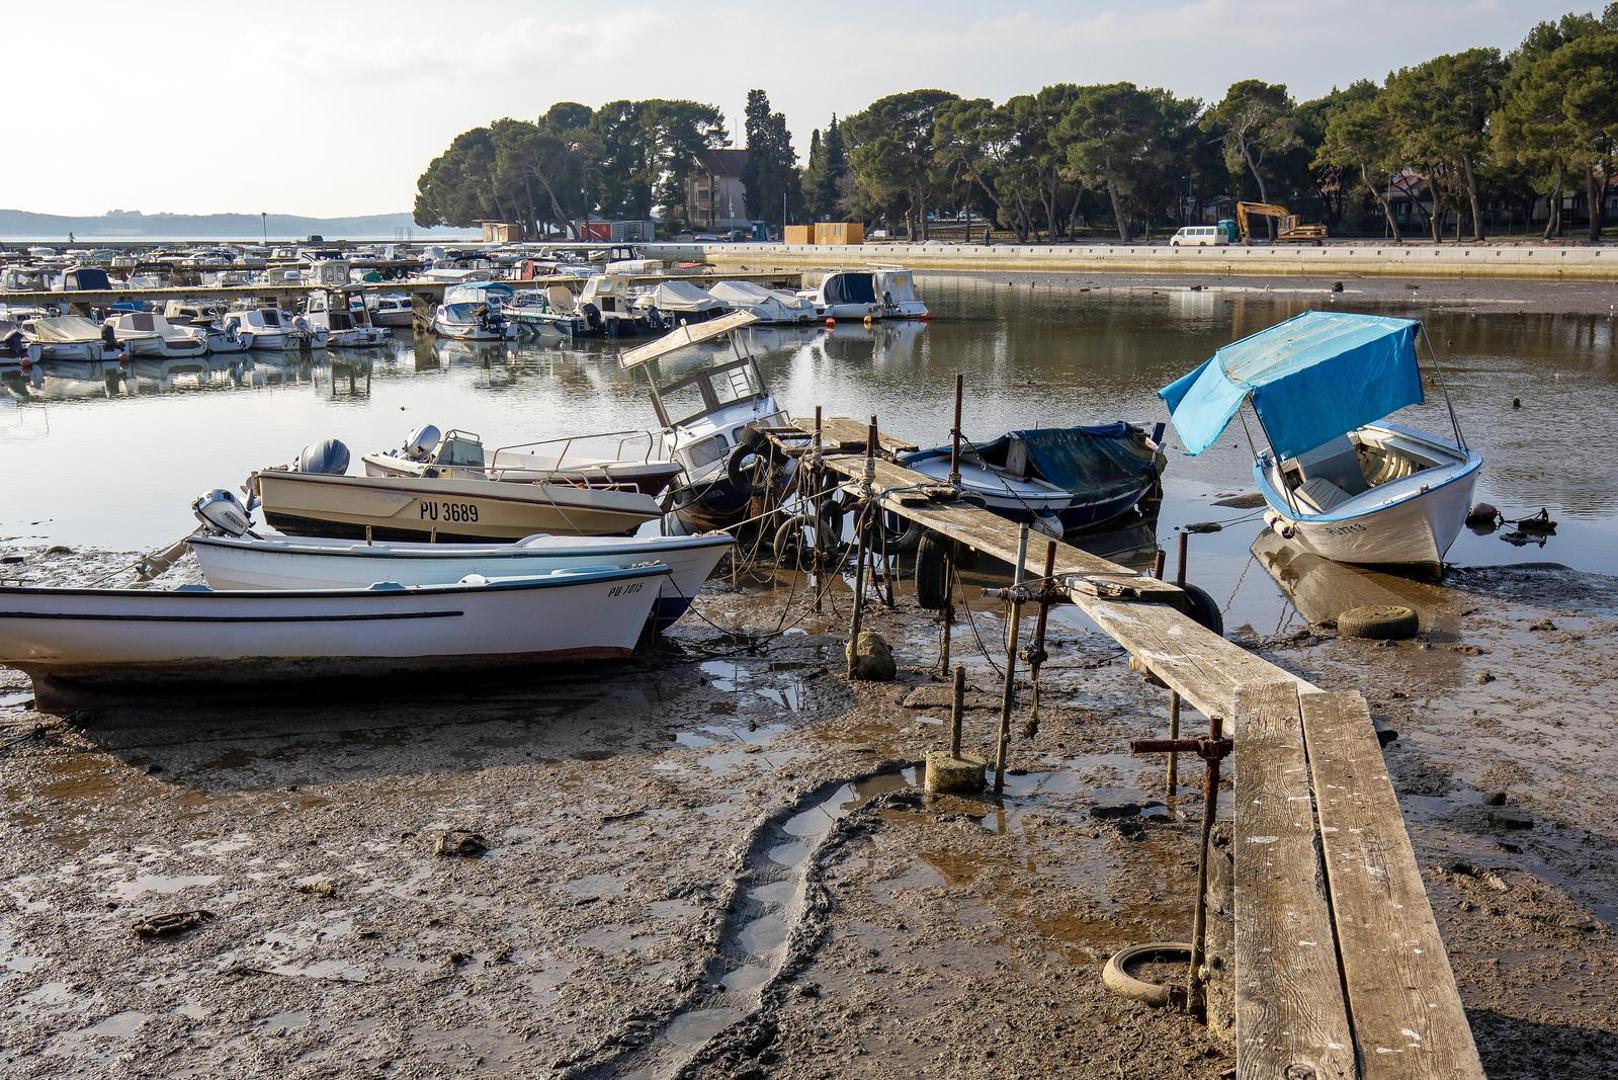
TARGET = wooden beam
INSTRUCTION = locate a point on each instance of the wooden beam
(1406, 1010)
(1291, 1018)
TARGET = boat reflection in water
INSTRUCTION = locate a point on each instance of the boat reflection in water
(348, 374)
(185, 373)
(1321, 589)
(66, 380)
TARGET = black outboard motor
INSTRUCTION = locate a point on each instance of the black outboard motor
(328, 457)
(592, 317)
(109, 339)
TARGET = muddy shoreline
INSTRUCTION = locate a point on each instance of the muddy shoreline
(712, 862)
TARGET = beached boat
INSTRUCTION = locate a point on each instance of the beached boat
(566, 460)
(147, 335)
(113, 639)
(721, 446)
(1338, 479)
(254, 562)
(860, 294)
(405, 508)
(1059, 479)
(767, 305)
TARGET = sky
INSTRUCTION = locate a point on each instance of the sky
(334, 108)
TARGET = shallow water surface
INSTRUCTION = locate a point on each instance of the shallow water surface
(112, 460)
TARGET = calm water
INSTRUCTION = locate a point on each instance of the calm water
(88, 460)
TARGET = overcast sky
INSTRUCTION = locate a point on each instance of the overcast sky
(334, 107)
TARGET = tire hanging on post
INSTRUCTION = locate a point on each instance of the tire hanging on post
(935, 559)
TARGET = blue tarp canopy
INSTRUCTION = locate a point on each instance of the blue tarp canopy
(1312, 378)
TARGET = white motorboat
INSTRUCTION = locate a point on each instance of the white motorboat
(767, 305)
(276, 330)
(676, 303)
(1339, 480)
(146, 334)
(392, 311)
(116, 639)
(553, 312)
(345, 327)
(606, 460)
(474, 311)
(70, 337)
(204, 317)
(862, 294)
(607, 303)
(719, 445)
(249, 561)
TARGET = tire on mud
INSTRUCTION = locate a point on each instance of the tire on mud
(1201, 609)
(935, 565)
(1116, 977)
(1380, 622)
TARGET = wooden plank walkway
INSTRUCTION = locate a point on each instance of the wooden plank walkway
(1340, 970)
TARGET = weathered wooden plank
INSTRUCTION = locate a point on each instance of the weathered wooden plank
(1206, 669)
(1291, 1019)
(848, 434)
(982, 531)
(1406, 1011)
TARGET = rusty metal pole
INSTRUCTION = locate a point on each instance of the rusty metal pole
(957, 707)
(955, 437)
(1199, 917)
(1172, 780)
(1036, 650)
(1008, 689)
(816, 485)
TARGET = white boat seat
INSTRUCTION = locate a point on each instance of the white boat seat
(1336, 461)
(1321, 494)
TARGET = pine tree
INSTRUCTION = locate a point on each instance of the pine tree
(825, 182)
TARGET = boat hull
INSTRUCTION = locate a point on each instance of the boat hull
(648, 478)
(70, 639)
(232, 563)
(420, 509)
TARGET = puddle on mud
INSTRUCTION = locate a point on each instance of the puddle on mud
(768, 904)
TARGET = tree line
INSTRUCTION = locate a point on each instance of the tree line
(1457, 140)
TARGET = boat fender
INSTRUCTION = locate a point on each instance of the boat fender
(744, 468)
(1202, 609)
(327, 457)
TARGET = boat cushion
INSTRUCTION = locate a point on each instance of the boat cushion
(1321, 494)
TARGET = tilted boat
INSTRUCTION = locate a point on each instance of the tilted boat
(248, 561)
(314, 497)
(567, 460)
(1060, 479)
(1339, 480)
(71, 639)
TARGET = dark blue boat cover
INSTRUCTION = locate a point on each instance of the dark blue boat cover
(1099, 462)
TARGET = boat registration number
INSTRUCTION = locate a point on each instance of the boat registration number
(628, 589)
(448, 511)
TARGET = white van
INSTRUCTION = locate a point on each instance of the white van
(1199, 236)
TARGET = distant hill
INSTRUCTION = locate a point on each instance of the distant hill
(134, 225)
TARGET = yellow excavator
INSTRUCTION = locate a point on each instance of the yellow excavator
(1287, 229)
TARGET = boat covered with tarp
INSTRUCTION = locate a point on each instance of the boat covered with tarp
(1060, 479)
(1337, 477)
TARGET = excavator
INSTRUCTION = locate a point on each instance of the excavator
(1287, 229)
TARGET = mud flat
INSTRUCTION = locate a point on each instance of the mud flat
(715, 862)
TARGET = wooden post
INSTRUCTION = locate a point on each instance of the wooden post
(1008, 689)
(955, 438)
(1036, 650)
(1173, 778)
(867, 507)
(957, 707)
(816, 486)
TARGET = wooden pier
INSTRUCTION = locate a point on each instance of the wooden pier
(1340, 973)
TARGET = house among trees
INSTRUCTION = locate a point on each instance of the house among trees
(715, 196)
(501, 232)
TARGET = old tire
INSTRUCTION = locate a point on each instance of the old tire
(1381, 622)
(1201, 609)
(934, 569)
(1116, 977)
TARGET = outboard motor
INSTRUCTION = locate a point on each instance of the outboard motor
(328, 457)
(592, 317)
(420, 444)
(109, 338)
(222, 513)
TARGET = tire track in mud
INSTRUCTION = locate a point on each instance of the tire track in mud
(776, 916)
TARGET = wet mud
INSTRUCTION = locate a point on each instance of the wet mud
(715, 861)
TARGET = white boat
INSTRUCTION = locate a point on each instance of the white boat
(862, 294)
(607, 303)
(346, 326)
(606, 460)
(474, 311)
(676, 303)
(392, 311)
(766, 305)
(1339, 480)
(146, 334)
(70, 337)
(276, 330)
(222, 337)
(117, 639)
(718, 445)
(552, 313)
(253, 562)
